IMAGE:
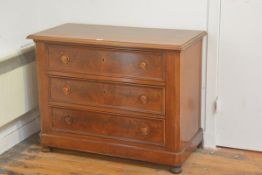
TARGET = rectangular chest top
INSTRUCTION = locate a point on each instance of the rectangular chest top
(120, 36)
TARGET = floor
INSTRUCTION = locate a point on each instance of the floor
(27, 159)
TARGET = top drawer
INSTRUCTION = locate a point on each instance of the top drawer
(106, 62)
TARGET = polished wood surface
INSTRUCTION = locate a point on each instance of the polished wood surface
(107, 62)
(129, 97)
(118, 98)
(27, 159)
(120, 36)
(190, 100)
(109, 126)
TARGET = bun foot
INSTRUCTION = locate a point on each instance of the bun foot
(176, 170)
(46, 149)
(201, 145)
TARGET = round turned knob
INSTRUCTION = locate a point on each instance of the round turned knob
(66, 90)
(143, 99)
(65, 59)
(68, 120)
(145, 131)
(143, 65)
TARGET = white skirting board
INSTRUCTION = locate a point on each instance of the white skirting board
(19, 129)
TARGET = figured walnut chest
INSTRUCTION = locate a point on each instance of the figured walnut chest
(120, 91)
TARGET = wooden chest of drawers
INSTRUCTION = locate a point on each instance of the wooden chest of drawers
(120, 91)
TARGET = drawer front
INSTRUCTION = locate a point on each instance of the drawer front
(110, 126)
(106, 62)
(128, 97)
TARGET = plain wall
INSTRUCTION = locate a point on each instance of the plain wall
(184, 14)
(17, 20)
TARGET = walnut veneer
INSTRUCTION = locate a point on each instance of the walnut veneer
(120, 91)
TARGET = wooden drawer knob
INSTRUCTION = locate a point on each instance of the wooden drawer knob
(143, 99)
(68, 120)
(145, 131)
(66, 90)
(143, 65)
(65, 59)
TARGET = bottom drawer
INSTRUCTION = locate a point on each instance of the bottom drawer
(108, 125)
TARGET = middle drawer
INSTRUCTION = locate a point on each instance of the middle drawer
(123, 96)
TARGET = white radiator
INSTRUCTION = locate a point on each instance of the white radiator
(18, 91)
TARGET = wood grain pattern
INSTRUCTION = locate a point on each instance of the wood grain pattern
(135, 98)
(109, 126)
(43, 95)
(190, 90)
(119, 36)
(27, 159)
(107, 62)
